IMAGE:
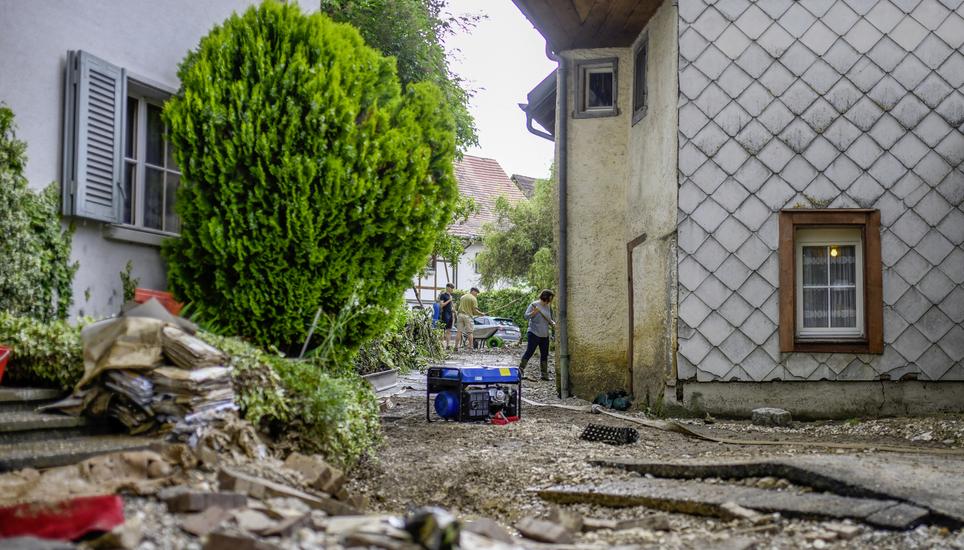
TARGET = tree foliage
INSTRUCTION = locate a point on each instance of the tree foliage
(519, 249)
(35, 268)
(412, 31)
(310, 180)
(449, 247)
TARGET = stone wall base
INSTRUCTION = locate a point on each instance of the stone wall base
(816, 400)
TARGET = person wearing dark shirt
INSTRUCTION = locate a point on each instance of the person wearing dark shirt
(448, 319)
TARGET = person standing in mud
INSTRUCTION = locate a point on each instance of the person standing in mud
(447, 316)
(539, 316)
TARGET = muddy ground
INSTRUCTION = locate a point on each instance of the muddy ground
(478, 470)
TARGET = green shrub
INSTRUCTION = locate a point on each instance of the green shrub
(510, 303)
(309, 178)
(44, 354)
(407, 345)
(336, 416)
(35, 268)
(302, 404)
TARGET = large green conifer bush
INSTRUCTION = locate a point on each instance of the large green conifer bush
(310, 178)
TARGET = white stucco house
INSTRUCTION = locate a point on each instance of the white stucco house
(484, 181)
(768, 196)
(86, 81)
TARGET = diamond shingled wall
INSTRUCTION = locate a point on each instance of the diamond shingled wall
(834, 103)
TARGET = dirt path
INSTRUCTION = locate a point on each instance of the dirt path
(480, 470)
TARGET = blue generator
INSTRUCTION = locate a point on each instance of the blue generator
(473, 394)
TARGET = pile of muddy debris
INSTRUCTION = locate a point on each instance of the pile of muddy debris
(148, 371)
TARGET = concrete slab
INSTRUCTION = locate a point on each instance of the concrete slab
(8, 394)
(926, 481)
(49, 453)
(693, 497)
(21, 421)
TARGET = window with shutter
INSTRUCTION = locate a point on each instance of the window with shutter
(93, 137)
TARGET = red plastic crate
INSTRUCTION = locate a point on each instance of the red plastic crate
(5, 354)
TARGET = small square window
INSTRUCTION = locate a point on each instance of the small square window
(640, 93)
(830, 281)
(596, 94)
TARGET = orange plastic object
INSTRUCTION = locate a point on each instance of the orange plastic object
(167, 300)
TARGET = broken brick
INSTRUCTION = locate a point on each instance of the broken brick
(197, 502)
(259, 488)
(544, 531)
(229, 541)
(203, 523)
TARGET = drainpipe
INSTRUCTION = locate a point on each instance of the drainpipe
(562, 134)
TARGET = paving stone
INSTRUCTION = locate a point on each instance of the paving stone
(768, 416)
(198, 501)
(544, 531)
(707, 499)
(261, 488)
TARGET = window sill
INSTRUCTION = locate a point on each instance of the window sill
(136, 235)
(639, 114)
(596, 114)
(832, 346)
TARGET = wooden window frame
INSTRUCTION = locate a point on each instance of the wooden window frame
(581, 68)
(640, 85)
(868, 221)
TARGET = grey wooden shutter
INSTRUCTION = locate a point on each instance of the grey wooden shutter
(94, 111)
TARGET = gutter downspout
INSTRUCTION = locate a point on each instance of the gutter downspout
(562, 132)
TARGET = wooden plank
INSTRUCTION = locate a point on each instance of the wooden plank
(873, 284)
(787, 281)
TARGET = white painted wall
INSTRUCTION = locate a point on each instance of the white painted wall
(147, 38)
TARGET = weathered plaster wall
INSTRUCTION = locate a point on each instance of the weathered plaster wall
(853, 103)
(144, 37)
(651, 210)
(598, 173)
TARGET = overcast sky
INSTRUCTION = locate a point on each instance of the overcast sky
(503, 58)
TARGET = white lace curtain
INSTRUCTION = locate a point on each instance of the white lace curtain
(829, 286)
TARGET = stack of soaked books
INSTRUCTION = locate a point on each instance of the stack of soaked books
(198, 385)
(189, 352)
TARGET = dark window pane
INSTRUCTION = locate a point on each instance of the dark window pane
(171, 165)
(155, 136)
(843, 307)
(814, 265)
(127, 215)
(599, 89)
(639, 80)
(843, 264)
(815, 307)
(153, 197)
(130, 134)
(171, 221)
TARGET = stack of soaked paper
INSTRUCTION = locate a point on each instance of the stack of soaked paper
(182, 394)
(189, 352)
(132, 385)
